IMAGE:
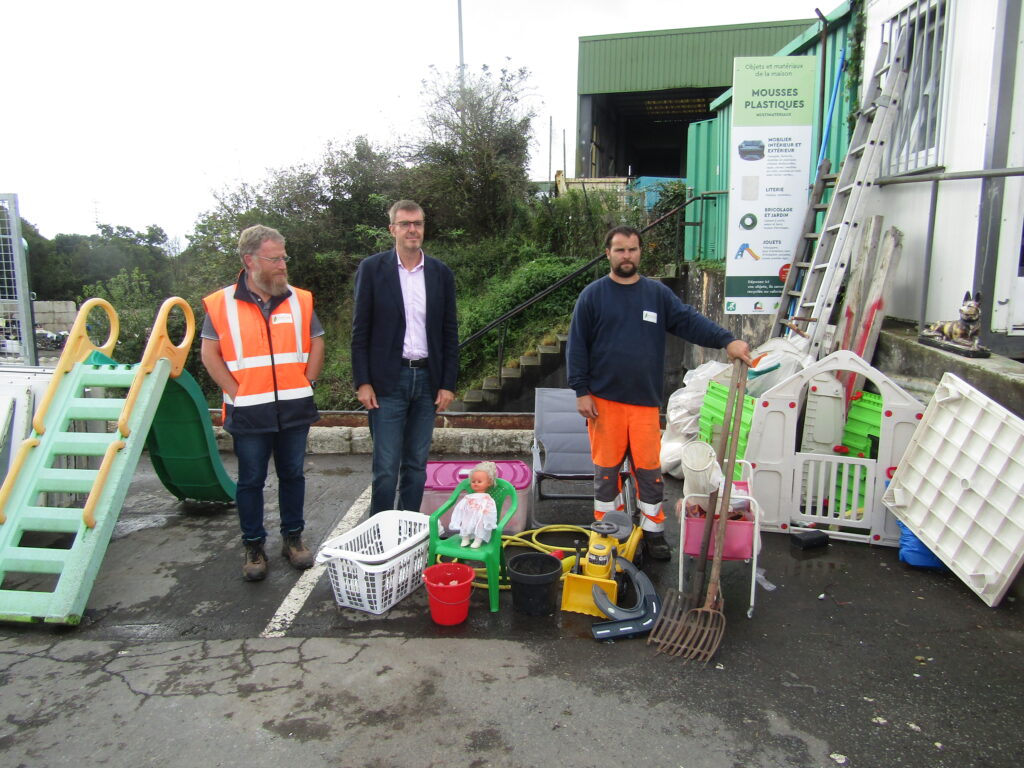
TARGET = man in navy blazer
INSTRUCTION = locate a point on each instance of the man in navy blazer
(405, 356)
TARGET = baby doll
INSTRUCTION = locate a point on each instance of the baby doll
(475, 514)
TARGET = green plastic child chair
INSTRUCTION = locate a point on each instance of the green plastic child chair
(490, 552)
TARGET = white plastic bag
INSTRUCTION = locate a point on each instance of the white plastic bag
(782, 359)
(683, 415)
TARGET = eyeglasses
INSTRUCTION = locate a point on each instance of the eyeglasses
(275, 260)
(410, 224)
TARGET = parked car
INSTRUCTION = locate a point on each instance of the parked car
(50, 340)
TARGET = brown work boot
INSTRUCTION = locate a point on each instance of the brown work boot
(296, 552)
(255, 566)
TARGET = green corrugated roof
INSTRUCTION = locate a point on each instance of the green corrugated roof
(677, 58)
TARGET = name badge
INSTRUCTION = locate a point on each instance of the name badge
(650, 317)
(284, 317)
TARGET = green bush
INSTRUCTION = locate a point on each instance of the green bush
(504, 292)
(573, 225)
(334, 390)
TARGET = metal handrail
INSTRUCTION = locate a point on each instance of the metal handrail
(566, 279)
(933, 204)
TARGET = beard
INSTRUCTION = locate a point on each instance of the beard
(624, 269)
(273, 285)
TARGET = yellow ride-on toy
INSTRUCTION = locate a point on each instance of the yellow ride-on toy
(592, 585)
(612, 538)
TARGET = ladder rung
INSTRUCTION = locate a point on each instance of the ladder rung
(34, 604)
(102, 408)
(65, 480)
(835, 227)
(811, 235)
(34, 559)
(50, 519)
(794, 294)
(81, 443)
(830, 177)
(844, 190)
(105, 376)
(820, 206)
(802, 264)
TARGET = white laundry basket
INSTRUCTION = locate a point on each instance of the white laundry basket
(378, 562)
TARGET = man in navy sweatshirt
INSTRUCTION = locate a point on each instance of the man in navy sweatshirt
(616, 361)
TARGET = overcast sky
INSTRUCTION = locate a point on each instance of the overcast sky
(134, 113)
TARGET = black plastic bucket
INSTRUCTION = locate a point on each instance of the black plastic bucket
(534, 576)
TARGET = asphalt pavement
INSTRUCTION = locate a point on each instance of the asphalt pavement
(851, 658)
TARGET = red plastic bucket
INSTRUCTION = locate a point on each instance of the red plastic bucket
(449, 586)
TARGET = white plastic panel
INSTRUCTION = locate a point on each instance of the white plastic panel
(960, 487)
(824, 415)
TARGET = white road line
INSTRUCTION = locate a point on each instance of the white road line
(294, 600)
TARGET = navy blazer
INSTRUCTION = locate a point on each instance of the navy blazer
(378, 324)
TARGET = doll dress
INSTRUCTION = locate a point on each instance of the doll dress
(475, 515)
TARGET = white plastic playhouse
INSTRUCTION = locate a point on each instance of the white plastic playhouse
(814, 483)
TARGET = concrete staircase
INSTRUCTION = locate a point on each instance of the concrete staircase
(512, 391)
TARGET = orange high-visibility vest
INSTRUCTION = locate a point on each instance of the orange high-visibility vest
(267, 356)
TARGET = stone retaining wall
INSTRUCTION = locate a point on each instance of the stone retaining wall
(447, 441)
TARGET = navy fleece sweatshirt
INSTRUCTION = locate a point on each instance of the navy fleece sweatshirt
(617, 339)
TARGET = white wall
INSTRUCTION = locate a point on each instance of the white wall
(54, 315)
(1008, 301)
(963, 115)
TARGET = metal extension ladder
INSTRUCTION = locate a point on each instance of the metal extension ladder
(818, 268)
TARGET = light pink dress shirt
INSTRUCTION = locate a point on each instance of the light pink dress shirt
(414, 296)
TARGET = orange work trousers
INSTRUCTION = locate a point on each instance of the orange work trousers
(622, 430)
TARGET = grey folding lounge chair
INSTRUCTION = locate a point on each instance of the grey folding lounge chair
(561, 452)
(561, 448)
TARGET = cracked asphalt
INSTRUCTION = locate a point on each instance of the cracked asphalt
(852, 659)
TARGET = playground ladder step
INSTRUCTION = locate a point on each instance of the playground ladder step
(113, 376)
(35, 559)
(65, 480)
(50, 519)
(95, 408)
(82, 443)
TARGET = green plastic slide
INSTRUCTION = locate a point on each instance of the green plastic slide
(182, 447)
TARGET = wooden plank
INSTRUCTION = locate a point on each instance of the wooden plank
(875, 306)
(859, 283)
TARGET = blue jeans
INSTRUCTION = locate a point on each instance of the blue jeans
(402, 427)
(288, 447)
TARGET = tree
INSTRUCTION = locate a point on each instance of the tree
(328, 211)
(50, 276)
(470, 171)
(136, 304)
(58, 268)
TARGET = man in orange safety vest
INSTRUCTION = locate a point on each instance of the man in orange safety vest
(263, 345)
